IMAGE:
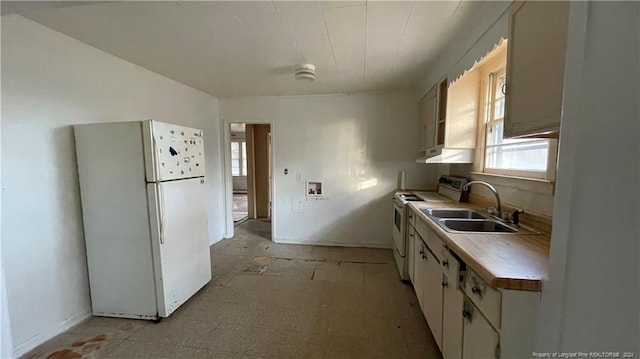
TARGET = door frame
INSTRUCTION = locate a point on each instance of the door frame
(228, 179)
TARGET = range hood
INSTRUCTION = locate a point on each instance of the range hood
(447, 155)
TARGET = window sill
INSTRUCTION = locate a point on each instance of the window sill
(522, 183)
(512, 177)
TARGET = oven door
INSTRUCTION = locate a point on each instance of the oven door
(399, 226)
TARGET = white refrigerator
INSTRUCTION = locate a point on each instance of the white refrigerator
(143, 192)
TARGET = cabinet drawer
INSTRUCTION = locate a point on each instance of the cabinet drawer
(485, 297)
(430, 238)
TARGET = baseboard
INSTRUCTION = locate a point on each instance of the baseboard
(30, 344)
(333, 243)
(215, 239)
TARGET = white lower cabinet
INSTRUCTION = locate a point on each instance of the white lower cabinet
(432, 296)
(480, 339)
(452, 299)
(419, 269)
(410, 251)
(467, 316)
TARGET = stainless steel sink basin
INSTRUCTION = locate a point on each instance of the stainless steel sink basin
(460, 220)
(452, 213)
(485, 225)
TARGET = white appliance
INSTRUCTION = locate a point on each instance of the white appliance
(449, 189)
(144, 208)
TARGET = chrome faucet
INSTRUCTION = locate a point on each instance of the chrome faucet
(498, 206)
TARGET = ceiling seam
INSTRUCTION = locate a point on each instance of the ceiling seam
(406, 24)
(333, 53)
(295, 43)
(404, 31)
(366, 31)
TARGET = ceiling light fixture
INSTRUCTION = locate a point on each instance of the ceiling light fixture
(305, 72)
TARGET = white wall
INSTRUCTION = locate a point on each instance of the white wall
(534, 196)
(354, 145)
(6, 345)
(50, 82)
(590, 302)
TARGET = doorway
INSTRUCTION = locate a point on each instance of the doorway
(239, 172)
(251, 177)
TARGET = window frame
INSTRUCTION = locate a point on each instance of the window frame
(496, 64)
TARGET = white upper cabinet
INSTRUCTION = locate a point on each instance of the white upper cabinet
(428, 119)
(448, 116)
(462, 111)
(535, 68)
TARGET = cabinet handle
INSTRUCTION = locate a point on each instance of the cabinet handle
(445, 263)
(476, 290)
(445, 284)
(466, 314)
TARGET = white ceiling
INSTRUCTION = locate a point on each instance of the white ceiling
(250, 48)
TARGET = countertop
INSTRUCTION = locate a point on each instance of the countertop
(506, 260)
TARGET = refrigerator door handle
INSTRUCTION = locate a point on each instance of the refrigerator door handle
(161, 212)
(154, 155)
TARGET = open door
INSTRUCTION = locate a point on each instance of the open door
(259, 177)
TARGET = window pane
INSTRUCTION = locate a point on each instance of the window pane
(235, 167)
(235, 151)
(494, 133)
(244, 158)
(499, 96)
(499, 108)
(529, 156)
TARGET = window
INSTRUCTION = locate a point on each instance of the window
(529, 158)
(238, 158)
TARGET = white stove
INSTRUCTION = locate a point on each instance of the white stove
(449, 190)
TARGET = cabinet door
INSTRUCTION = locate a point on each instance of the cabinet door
(462, 111)
(428, 119)
(535, 67)
(432, 306)
(418, 268)
(410, 252)
(480, 340)
(452, 311)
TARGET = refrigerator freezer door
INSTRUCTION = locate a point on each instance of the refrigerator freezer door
(179, 240)
(172, 152)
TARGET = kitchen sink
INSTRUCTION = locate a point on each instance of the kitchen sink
(475, 225)
(460, 220)
(452, 213)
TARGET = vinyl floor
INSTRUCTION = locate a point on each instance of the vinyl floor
(269, 300)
